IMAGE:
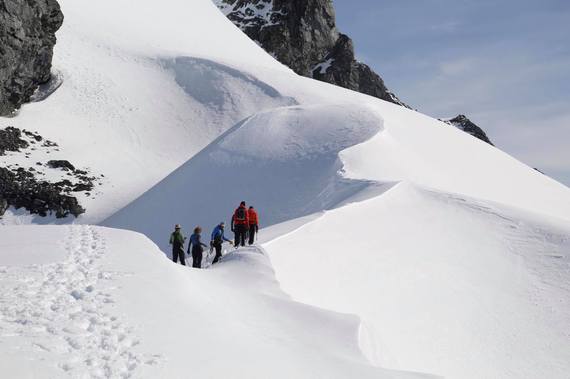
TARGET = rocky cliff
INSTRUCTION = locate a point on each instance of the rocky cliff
(27, 38)
(302, 34)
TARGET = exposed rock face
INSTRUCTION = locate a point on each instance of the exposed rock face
(341, 68)
(463, 123)
(10, 140)
(27, 37)
(302, 34)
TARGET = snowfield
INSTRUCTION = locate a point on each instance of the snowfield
(111, 305)
(435, 275)
(392, 243)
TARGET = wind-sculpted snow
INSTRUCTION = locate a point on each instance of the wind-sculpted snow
(185, 117)
(447, 284)
(285, 162)
(298, 133)
(223, 94)
(114, 307)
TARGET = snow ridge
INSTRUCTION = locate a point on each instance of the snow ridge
(60, 309)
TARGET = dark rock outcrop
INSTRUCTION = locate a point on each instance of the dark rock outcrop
(302, 34)
(63, 164)
(463, 123)
(11, 140)
(27, 38)
(21, 189)
(25, 187)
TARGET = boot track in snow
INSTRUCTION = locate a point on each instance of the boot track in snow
(63, 310)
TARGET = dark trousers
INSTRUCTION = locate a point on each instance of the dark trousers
(178, 252)
(241, 230)
(197, 257)
(252, 231)
(218, 248)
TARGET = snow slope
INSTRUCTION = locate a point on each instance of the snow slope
(285, 159)
(107, 303)
(448, 284)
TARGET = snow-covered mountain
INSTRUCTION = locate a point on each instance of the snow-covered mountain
(392, 242)
(302, 34)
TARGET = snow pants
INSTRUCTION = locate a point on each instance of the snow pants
(252, 232)
(241, 231)
(197, 257)
(218, 248)
(178, 252)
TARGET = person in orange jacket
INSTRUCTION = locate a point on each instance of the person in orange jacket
(241, 224)
(253, 224)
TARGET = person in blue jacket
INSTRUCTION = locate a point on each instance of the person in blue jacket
(197, 248)
(218, 239)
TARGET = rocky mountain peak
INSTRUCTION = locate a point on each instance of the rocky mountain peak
(465, 124)
(302, 34)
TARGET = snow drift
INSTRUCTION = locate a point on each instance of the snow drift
(107, 303)
(435, 276)
(285, 159)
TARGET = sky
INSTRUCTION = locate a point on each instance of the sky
(504, 63)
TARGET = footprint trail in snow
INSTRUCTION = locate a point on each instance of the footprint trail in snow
(63, 310)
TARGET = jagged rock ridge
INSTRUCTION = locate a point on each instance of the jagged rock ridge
(27, 37)
(463, 123)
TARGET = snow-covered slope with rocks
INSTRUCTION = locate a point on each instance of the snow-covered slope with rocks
(453, 254)
(137, 101)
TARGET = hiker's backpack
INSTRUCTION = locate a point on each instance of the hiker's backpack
(241, 214)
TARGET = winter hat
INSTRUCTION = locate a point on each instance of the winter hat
(177, 226)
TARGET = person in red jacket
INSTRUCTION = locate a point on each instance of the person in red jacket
(241, 223)
(253, 224)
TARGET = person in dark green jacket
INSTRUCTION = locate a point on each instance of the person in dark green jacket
(177, 240)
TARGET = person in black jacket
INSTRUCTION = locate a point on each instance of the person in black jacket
(240, 221)
(197, 248)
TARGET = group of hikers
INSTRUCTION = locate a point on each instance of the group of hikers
(244, 225)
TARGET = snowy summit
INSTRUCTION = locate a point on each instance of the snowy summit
(390, 244)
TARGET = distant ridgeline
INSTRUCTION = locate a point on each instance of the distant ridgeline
(302, 34)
